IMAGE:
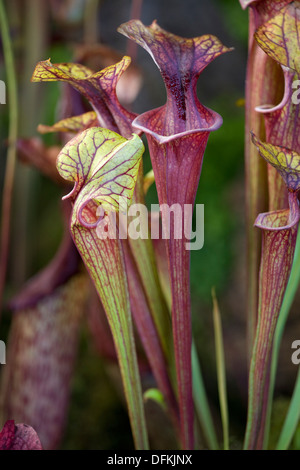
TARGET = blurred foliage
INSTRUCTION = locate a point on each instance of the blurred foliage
(234, 18)
(97, 420)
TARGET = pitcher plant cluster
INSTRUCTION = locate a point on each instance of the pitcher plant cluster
(139, 263)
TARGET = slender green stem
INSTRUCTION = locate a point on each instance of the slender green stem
(11, 152)
(277, 258)
(201, 402)
(32, 25)
(221, 371)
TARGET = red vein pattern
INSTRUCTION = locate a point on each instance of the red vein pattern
(263, 86)
(278, 35)
(177, 134)
(104, 167)
(41, 353)
(279, 230)
(98, 88)
(19, 437)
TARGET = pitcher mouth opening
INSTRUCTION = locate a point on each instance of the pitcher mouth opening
(285, 219)
(142, 121)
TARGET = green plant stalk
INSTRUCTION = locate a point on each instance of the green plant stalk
(278, 37)
(177, 135)
(142, 250)
(221, 370)
(201, 402)
(34, 28)
(263, 86)
(291, 420)
(148, 334)
(112, 289)
(11, 153)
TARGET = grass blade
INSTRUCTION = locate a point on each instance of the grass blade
(221, 371)
(201, 402)
(292, 418)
